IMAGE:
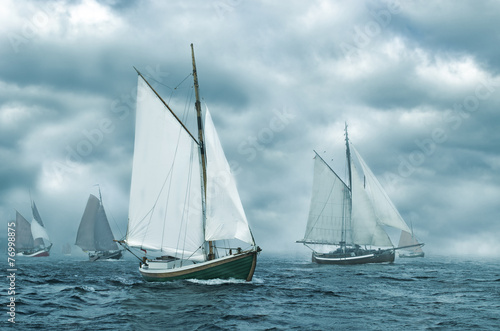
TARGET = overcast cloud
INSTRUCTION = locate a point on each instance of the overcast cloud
(417, 82)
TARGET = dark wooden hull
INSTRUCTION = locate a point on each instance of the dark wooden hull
(371, 256)
(411, 255)
(238, 266)
(113, 255)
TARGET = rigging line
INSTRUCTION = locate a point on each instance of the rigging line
(116, 225)
(174, 88)
(186, 207)
(189, 102)
(199, 247)
(346, 215)
(321, 212)
(114, 220)
(169, 186)
(128, 249)
(157, 81)
(166, 105)
(331, 169)
(190, 74)
(169, 175)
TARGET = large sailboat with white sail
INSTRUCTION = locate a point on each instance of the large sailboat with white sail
(32, 239)
(185, 212)
(347, 221)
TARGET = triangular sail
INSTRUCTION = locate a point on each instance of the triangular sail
(407, 239)
(94, 232)
(225, 217)
(330, 207)
(85, 235)
(386, 212)
(365, 228)
(165, 210)
(36, 214)
(103, 236)
(24, 239)
(39, 233)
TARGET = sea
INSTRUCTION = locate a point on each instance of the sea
(286, 293)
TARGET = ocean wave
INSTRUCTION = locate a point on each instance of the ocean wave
(217, 281)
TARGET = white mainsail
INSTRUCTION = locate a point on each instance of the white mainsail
(36, 214)
(330, 205)
(354, 216)
(385, 211)
(365, 228)
(225, 217)
(165, 211)
(38, 231)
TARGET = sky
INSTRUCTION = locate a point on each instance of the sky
(417, 82)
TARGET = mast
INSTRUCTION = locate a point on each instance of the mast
(100, 196)
(197, 105)
(348, 155)
(347, 195)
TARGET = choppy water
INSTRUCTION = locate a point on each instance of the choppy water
(58, 293)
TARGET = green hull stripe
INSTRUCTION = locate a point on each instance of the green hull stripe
(238, 269)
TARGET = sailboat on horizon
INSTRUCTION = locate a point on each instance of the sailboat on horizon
(32, 239)
(94, 233)
(346, 223)
(66, 249)
(185, 212)
(412, 246)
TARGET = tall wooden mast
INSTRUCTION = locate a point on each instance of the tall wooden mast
(348, 155)
(347, 195)
(197, 105)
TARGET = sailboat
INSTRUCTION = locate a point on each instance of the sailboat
(31, 239)
(184, 205)
(346, 223)
(94, 233)
(66, 249)
(411, 244)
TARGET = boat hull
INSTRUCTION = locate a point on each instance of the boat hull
(238, 266)
(113, 255)
(411, 255)
(41, 252)
(385, 256)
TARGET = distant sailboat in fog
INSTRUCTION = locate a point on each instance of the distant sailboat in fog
(32, 239)
(94, 233)
(346, 220)
(66, 249)
(412, 248)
